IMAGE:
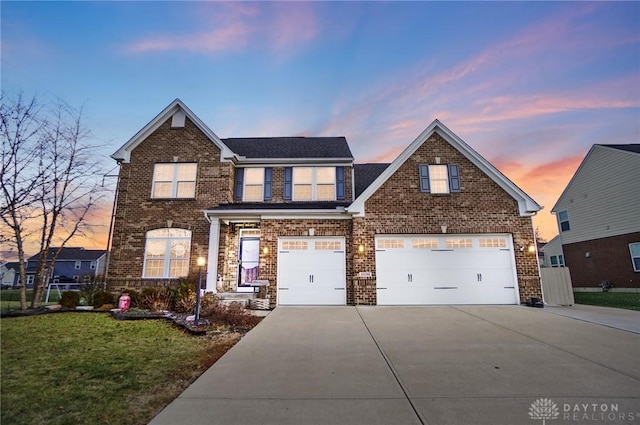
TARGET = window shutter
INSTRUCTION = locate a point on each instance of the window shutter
(340, 185)
(424, 178)
(454, 178)
(268, 173)
(237, 190)
(288, 180)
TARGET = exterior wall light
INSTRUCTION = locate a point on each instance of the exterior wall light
(361, 249)
(265, 250)
(531, 248)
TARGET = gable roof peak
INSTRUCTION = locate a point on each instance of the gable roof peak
(526, 205)
(177, 110)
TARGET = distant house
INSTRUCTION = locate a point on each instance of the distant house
(552, 253)
(8, 274)
(438, 225)
(598, 218)
(73, 265)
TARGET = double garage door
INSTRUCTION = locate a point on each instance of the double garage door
(410, 270)
(445, 269)
(311, 271)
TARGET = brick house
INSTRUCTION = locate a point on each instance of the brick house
(439, 225)
(598, 217)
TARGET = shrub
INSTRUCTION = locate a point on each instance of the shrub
(184, 295)
(102, 298)
(89, 289)
(233, 315)
(157, 299)
(70, 299)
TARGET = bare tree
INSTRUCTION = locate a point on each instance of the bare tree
(49, 183)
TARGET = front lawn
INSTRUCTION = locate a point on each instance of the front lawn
(626, 300)
(10, 299)
(88, 368)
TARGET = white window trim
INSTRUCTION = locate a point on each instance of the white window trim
(78, 265)
(314, 185)
(432, 167)
(560, 221)
(166, 259)
(174, 181)
(633, 263)
(244, 185)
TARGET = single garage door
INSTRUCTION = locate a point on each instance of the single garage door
(311, 271)
(446, 269)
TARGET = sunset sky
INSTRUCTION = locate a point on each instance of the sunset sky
(531, 86)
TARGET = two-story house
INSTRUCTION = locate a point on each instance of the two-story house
(73, 265)
(439, 225)
(598, 216)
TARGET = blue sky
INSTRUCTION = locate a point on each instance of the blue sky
(529, 85)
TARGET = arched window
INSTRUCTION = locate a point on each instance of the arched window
(166, 253)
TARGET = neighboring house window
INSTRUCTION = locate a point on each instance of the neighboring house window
(634, 248)
(76, 278)
(176, 180)
(439, 179)
(78, 265)
(557, 261)
(253, 184)
(563, 218)
(30, 279)
(93, 265)
(166, 253)
(314, 183)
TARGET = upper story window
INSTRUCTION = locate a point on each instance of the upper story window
(563, 219)
(93, 265)
(78, 264)
(439, 179)
(176, 180)
(634, 248)
(253, 184)
(314, 183)
(166, 253)
(557, 260)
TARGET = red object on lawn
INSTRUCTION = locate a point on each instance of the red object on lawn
(124, 301)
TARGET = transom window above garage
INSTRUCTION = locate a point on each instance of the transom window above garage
(328, 245)
(390, 243)
(295, 245)
(493, 243)
(420, 243)
(458, 243)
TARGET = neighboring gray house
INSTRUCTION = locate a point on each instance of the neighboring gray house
(552, 253)
(598, 218)
(8, 273)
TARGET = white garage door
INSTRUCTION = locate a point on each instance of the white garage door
(446, 269)
(311, 271)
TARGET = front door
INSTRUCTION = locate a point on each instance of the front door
(249, 263)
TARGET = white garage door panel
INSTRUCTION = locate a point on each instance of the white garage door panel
(478, 270)
(311, 271)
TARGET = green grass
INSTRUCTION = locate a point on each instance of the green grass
(10, 298)
(87, 368)
(626, 300)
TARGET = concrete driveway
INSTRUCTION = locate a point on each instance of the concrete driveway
(419, 365)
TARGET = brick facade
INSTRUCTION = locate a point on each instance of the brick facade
(137, 212)
(608, 259)
(398, 207)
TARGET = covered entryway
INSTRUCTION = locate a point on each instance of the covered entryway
(446, 269)
(311, 271)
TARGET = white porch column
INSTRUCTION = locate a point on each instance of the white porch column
(212, 260)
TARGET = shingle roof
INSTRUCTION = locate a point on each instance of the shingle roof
(290, 147)
(72, 253)
(365, 174)
(629, 148)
